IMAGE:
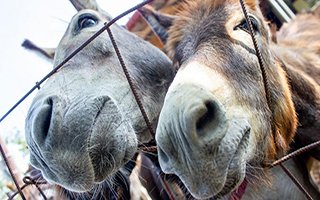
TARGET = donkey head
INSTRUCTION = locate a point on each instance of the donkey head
(84, 123)
(215, 127)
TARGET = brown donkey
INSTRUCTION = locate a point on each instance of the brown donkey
(216, 131)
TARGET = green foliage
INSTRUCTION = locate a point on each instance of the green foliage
(301, 5)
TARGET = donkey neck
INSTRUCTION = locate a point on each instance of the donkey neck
(304, 79)
(280, 181)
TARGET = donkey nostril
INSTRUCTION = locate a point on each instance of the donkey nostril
(208, 119)
(50, 101)
(43, 120)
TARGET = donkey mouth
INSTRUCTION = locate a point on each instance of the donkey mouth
(112, 142)
(231, 176)
(237, 166)
(235, 171)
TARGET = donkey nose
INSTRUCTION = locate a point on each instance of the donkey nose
(190, 118)
(43, 120)
(201, 116)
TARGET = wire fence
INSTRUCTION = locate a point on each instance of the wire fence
(39, 183)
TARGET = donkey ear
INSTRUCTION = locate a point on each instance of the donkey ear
(159, 22)
(252, 4)
(85, 4)
(48, 53)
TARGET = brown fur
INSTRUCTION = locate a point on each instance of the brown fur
(299, 48)
(191, 10)
(284, 119)
(172, 7)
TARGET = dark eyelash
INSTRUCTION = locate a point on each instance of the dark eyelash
(245, 26)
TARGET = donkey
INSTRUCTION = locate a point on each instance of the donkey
(216, 131)
(84, 125)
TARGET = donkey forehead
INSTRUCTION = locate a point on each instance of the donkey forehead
(209, 23)
(214, 4)
(207, 13)
(192, 7)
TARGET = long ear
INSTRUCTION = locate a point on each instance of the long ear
(85, 4)
(48, 53)
(159, 23)
(89, 4)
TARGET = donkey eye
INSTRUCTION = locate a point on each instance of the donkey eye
(245, 26)
(86, 21)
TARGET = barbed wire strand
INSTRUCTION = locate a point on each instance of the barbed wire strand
(296, 153)
(259, 56)
(131, 84)
(30, 181)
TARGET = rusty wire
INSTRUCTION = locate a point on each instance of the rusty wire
(296, 182)
(30, 181)
(265, 79)
(149, 147)
(292, 155)
(296, 153)
(131, 84)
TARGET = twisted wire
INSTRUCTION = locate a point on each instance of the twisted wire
(259, 55)
(131, 84)
(30, 181)
(296, 153)
(296, 182)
